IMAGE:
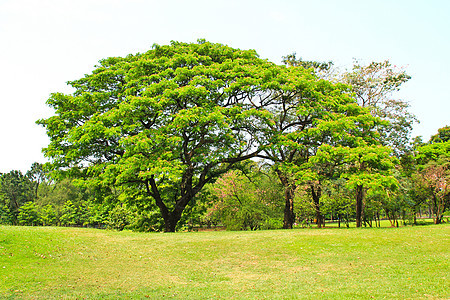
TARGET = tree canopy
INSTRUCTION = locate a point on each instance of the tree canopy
(152, 130)
(172, 119)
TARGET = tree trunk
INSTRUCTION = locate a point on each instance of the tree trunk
(289, 193)
(359, 205)
(439, 208)
(316, 198)
(289, 216)
(170, 218)
(171, 221)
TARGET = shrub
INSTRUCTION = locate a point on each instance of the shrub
(29, 215)
(272, 223)
(5, 215)
(48, 215)
(119, 217)
(69, 214)
(147, 222)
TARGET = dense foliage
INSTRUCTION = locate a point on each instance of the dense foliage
(197, 134)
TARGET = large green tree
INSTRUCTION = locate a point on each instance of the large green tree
(317, 113)
(365, 166)
(167, 121)
(294, 135)
(347, 125)
(320, 112)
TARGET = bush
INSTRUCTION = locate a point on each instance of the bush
(48, 215)
(147, 222)
(69, 214)
(29, 215)
(272, 224)
(5, 215)
(119, 217)
(98, 215)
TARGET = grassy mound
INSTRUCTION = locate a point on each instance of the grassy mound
(77, 263)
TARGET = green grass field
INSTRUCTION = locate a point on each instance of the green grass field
(78, 263)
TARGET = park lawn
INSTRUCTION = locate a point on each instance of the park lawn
(366, 263)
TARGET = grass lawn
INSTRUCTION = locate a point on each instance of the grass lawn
(366, 263)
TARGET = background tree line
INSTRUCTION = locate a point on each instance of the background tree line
(247, 198)
(202, 133)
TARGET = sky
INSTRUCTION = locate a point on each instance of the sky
(45, 43)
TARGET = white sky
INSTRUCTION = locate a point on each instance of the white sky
(45, 43)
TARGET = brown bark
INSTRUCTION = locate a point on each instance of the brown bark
(359, 205)
(170, 223)
(289, 193)
(316, 193)
(289, 216)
